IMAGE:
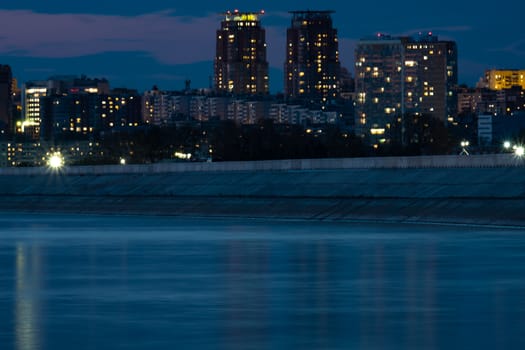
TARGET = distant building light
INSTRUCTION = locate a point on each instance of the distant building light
(377, 131)
(185, 156)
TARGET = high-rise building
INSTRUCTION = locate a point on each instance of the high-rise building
(17, 106)
(34, 91)
(6, 99)
(83, 114)
(241, 66)
(400, 76)
(431, 76)
(31, 94)
(378, 85)
(67, 116)
(312, 67)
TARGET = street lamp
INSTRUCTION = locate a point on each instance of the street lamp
(55, 161)
(519, 151)
(464, 144)
(506, 145)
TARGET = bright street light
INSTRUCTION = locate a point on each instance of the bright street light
(506, 145)
(464, 144)
(519, 151)
(56, 161)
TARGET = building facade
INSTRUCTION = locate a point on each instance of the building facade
(500, 79)
(6, 99)
(82, 115)
(487, 101)
(312, 67)
(400, 76)
(69, 116)
(378, 86)
(431, 76)
(34, 92)
(241, 66)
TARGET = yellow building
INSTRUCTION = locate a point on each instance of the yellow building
(500, 79)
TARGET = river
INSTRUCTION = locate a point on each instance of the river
(128, 282)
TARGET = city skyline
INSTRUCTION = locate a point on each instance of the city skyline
(172, 42)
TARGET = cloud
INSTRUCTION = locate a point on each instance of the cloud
(170, 39)
(165, 36)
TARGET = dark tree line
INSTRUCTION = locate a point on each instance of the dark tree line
(228, 141)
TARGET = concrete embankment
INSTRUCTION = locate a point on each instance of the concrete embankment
(449, 189)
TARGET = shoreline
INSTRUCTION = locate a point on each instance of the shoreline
(469, 212)
(371, 222)
(391, 190)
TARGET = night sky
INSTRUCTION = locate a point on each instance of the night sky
(141, 43)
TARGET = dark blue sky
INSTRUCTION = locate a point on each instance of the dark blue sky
(138, 44)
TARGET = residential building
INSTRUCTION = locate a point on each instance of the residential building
(57, 86)
(67, 116)
(431, 76)
(20, 154)
(487, 101)
(31, 93)
(241, 66)
(121, 108)
(83, 114)
(312, 67)
(6, 99)
(379, 86)
(400, 76)
(500, 79)
(156, 107)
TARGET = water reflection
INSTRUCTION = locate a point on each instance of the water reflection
(264, 285)
(27, 299)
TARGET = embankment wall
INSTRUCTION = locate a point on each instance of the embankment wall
(449, 189)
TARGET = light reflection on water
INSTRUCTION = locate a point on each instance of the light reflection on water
(27, 303)
(141, 283)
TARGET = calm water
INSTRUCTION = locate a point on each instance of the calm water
(94, 282)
